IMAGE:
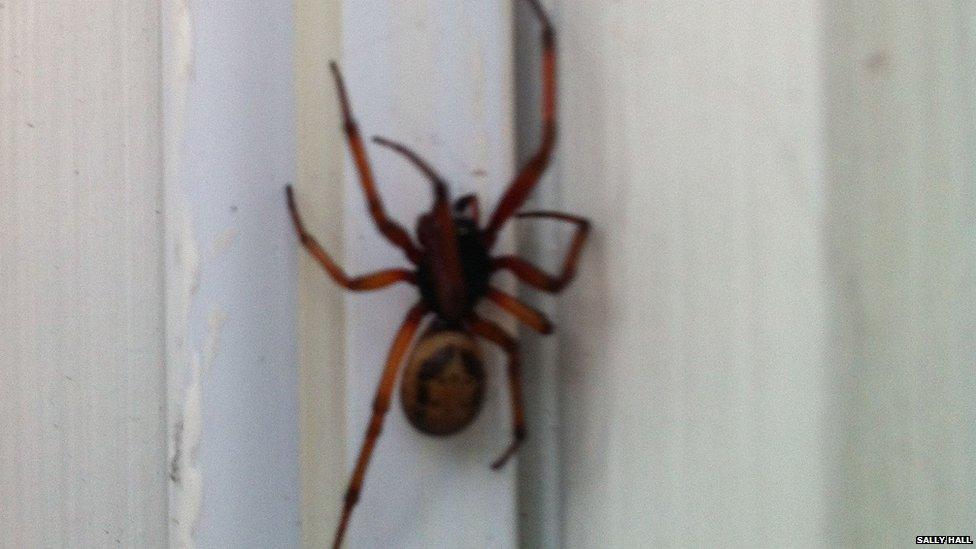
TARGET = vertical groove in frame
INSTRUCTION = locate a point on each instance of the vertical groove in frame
(690, 139)
(537, 485)
(321, 316)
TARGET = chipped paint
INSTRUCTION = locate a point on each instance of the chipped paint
(223, 242)
(183, 275)
(186, 487)
(215, 322)
(186, 475)
(215, 197)
(188, 432)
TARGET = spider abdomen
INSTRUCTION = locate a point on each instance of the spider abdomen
(443, 382)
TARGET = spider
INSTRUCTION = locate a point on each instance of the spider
(443, 382)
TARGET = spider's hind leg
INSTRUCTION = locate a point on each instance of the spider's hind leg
(526, 314)
(492, 332)
(384, 393)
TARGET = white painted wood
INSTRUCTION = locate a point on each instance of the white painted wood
(771, 339)
(320, 191)
(692, 345)
(435, 75)
(231, 268)
(82, 426)
(901, 108)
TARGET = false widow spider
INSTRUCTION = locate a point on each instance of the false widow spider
(443, 382)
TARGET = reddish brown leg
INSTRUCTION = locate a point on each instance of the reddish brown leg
(381, 404)
(469, 204)
(537, 278)
(368, 282)
(449, 278)
(389, 228)
(527, 178)
(491, 332)
(529, 316)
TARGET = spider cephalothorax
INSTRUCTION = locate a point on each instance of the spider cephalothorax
(475, 271)
(443, 383)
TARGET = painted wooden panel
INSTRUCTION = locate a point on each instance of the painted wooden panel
(691, 350)
(901, 211)
(770, 341)
(82, 375)
(322, 328)
(233, 384)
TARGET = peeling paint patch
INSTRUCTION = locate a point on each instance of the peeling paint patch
(183, 269)
(214, 325)
(177, 459)
(189, 259)
(223, 242)
(187, 435)
(186, 477)
(188, 428)
(185, 472)
(183, 40)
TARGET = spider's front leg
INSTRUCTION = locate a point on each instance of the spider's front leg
(536, 277)
(530, 174)
(392, 230)
(492, 332)
(373, 281)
